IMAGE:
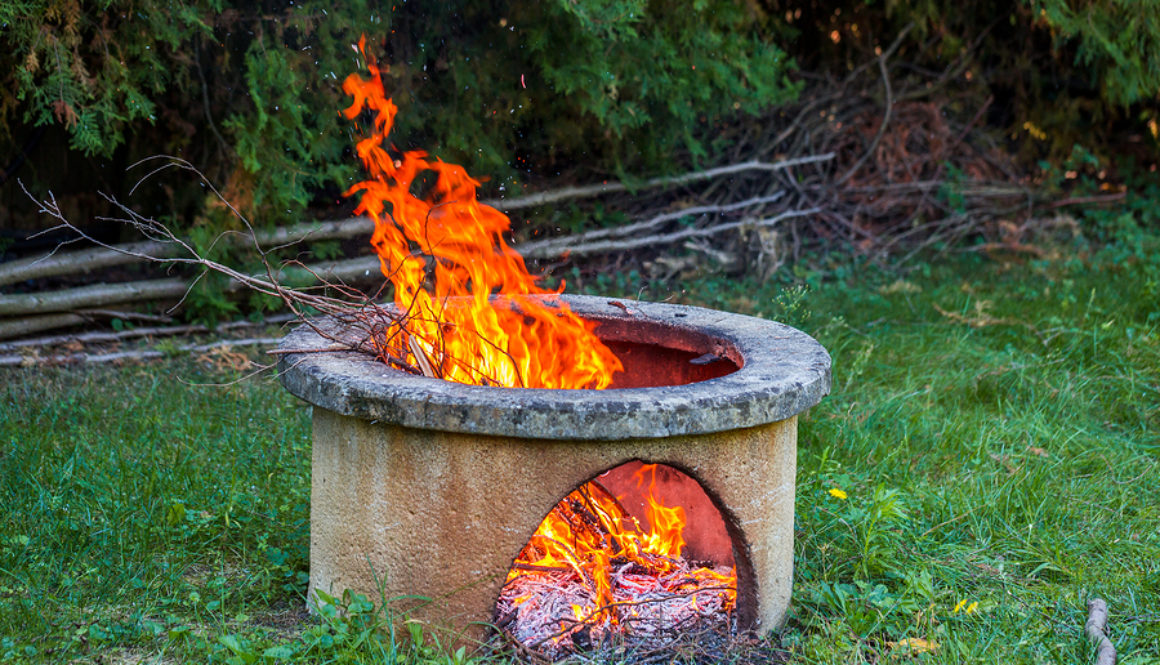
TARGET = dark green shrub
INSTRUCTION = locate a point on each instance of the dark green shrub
(236, 88)
(1115, 42)
(613, 82)
(249, 91)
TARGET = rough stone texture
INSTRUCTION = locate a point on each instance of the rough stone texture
(783, 372)
(430, 488)
(443, 515)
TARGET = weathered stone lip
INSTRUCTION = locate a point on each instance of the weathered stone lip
(783, 372)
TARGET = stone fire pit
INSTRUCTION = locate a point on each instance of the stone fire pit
(427, 488)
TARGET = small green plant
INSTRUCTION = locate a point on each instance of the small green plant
(950, 191)
(873, 523)
(790, 306)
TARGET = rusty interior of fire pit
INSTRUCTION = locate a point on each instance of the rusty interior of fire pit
(705, 537)
(659, 355)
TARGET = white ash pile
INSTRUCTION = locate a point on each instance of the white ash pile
(554, 613)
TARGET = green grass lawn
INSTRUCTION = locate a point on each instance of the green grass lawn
(988, 461)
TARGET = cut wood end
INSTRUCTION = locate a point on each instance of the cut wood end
(1095, 628)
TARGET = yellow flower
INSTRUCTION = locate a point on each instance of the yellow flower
(969, 609)
(837, 493)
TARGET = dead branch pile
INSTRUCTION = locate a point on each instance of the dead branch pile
(893, 172)
(132, 344)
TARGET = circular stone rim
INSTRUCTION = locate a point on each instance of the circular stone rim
(784, 372)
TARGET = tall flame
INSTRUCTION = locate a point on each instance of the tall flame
(445, 255)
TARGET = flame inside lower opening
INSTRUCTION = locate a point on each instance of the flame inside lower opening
(591, 572)
(471, 311)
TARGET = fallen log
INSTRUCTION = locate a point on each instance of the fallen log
(94, 295)
(56, 263)
(359, 270)
(29, 325)
(552, 247)
(127, 316)
(35, 324)
(356, 270)
(622, 244)
(100, 337)
(34, 359)
(83, 261)
(586, 191)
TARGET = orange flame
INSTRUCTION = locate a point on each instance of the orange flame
(445, 255)
(589, 532)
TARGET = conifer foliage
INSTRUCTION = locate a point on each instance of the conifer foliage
(250, 91)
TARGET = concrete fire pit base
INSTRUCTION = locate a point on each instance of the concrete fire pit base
(442, 515)
(425, 491)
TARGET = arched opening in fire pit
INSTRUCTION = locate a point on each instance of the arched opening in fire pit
(639, 555)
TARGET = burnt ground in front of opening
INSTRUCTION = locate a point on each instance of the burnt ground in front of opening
(704, 616)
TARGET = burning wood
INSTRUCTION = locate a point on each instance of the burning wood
(591, 574)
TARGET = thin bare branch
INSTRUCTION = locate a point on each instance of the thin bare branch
(556, 246)
(684, 234)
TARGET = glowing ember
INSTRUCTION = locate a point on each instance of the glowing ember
(447, 259)
(591, 572)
